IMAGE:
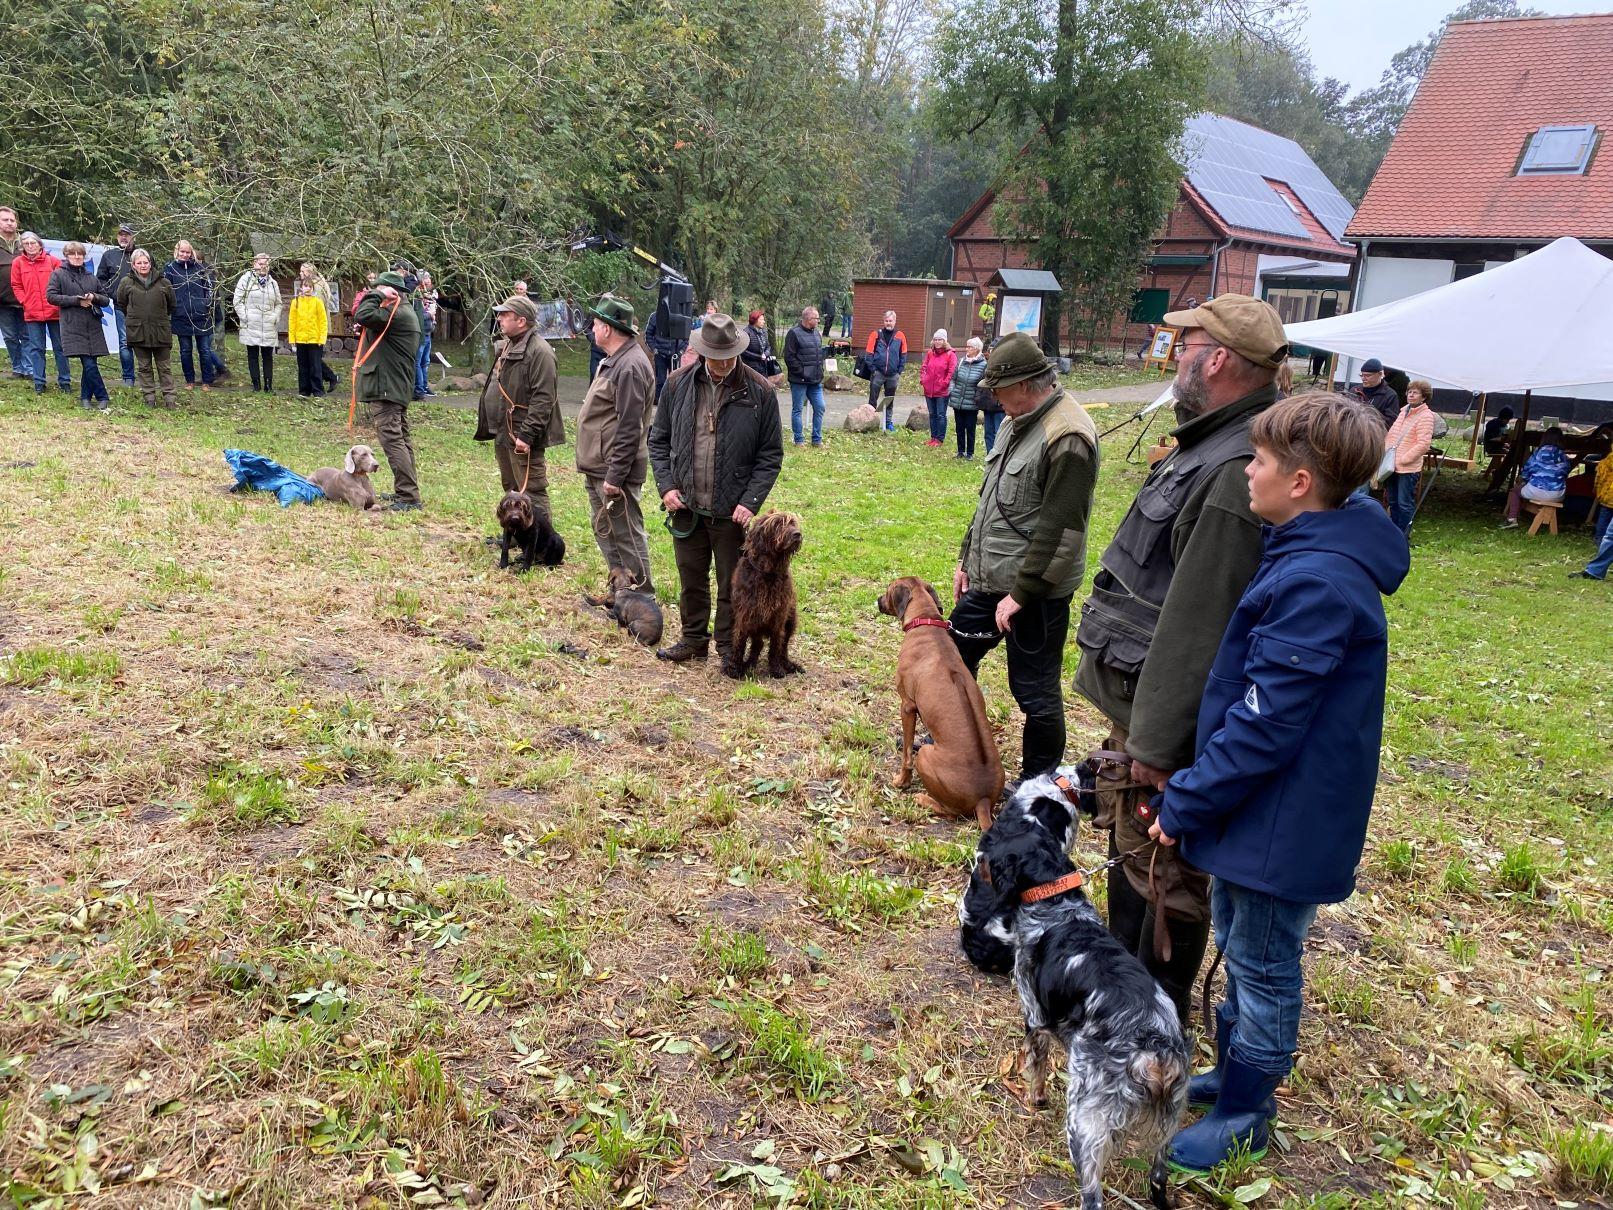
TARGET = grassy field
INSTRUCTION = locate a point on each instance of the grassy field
(339, 869)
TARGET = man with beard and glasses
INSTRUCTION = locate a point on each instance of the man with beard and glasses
(1160, 601)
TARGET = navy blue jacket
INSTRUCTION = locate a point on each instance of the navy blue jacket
(887, 352)
(195, 296)
(1289, 730)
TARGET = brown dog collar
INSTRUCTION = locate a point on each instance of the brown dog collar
(940, 623)
(1070, 882)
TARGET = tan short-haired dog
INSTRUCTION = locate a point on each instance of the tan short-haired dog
(962, 769)
(351, 484)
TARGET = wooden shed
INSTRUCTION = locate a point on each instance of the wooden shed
(922, 304)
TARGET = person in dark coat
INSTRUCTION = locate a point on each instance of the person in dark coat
(1375, 392)
(146, 299)
(195, 302)
(110, 271)
(1276, 801)
(76, 291)
(665, 349)
(803, 362)
(759, 355)
(1497, 431)
(715, 447)
(386, 376)
(11, 323)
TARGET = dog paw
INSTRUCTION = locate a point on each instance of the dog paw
(733, 672)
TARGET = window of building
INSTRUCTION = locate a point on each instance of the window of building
(1558, 151)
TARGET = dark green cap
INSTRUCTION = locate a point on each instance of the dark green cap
(617, 312)
(395, 280)
(1015, 359)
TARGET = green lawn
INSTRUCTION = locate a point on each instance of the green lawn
(341, 869)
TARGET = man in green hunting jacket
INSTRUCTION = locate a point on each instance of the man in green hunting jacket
(391, 342)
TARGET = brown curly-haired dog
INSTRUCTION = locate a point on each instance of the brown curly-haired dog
(764, 597)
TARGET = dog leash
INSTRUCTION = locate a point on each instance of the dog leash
(363, 355)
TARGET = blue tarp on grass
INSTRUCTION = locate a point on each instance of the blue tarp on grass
(254, 472)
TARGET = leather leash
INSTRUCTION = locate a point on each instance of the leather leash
(363, 355)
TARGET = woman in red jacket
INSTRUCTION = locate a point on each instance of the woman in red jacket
(30, 275)
(935, 378)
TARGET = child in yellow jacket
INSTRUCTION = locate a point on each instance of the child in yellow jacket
(307, 326)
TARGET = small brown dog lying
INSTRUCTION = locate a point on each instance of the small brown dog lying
(530, 529)
(764, 597)
(351, 484)
(961, 770)
(638, 613)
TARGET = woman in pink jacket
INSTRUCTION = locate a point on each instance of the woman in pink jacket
(935, 380)
(1409, 437)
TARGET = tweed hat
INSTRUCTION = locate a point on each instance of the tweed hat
(519, 304)
(395, 280)
(617, 312)
(1245, 325)
(719, 337)
(1016, 358)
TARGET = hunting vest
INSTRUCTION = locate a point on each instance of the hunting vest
(1119, 615)
(1011, 499)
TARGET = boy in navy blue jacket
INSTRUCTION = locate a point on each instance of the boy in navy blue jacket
(1275, 804)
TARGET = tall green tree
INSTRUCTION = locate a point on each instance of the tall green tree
(1084, 101)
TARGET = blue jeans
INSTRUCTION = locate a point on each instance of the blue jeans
(938, 416)
(421, 362)
(991, 421)
(12, 331)
(1402, 499)
(807, 392)
(1604, 514)
(204, 354)
(845, 325)
(1261, 938)
(1598, 566)
(40, 331)
(91, 388)
(125, 353)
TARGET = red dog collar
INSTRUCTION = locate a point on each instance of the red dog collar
(942, 623)
(1070, 882)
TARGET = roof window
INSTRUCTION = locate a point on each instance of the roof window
(1558, 151)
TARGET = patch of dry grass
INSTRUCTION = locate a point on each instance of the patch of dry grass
(340, 868)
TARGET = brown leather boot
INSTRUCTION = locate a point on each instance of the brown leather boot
(683, 651)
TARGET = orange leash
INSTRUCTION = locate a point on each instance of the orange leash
(363, 355)
(509, 423)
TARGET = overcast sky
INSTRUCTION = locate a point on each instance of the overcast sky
(1354, 39)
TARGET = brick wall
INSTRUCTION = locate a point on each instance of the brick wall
(870, 299)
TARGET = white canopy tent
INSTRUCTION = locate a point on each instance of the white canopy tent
(1542, 321)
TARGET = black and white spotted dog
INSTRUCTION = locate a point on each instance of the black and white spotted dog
(1127, 1058)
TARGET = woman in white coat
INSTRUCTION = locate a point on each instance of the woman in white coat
(257, 310)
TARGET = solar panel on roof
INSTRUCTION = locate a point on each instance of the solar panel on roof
(1228, 162)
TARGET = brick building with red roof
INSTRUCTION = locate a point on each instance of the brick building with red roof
(1501, 152)
(1253, 215)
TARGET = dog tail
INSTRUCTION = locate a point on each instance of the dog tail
(1158, 1073)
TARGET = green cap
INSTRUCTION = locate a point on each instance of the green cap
(1015, 359)
(395, 280)
(617, 312)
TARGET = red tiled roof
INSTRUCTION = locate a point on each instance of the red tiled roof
(1492, 84)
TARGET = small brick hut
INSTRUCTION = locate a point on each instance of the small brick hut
(921, 304)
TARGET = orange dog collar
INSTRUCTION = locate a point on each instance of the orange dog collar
(1070, 882)
(940, 623)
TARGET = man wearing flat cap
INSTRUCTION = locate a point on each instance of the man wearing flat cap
(1160, 600)
(1024, 554)
(611, 454)
(391, 341)
(110, 271)
(518, 411)
(716, 447)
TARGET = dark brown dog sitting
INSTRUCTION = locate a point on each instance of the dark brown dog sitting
(962, 769)
(530, 530)
(764, 597)
(638, 613)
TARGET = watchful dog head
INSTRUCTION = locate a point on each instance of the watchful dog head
(360, 461)
(1026, 846)
(902, 592)
(515, 512)
(772, 539)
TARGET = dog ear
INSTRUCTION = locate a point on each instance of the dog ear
(348, 464)
(900, 594)
(934, 596)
